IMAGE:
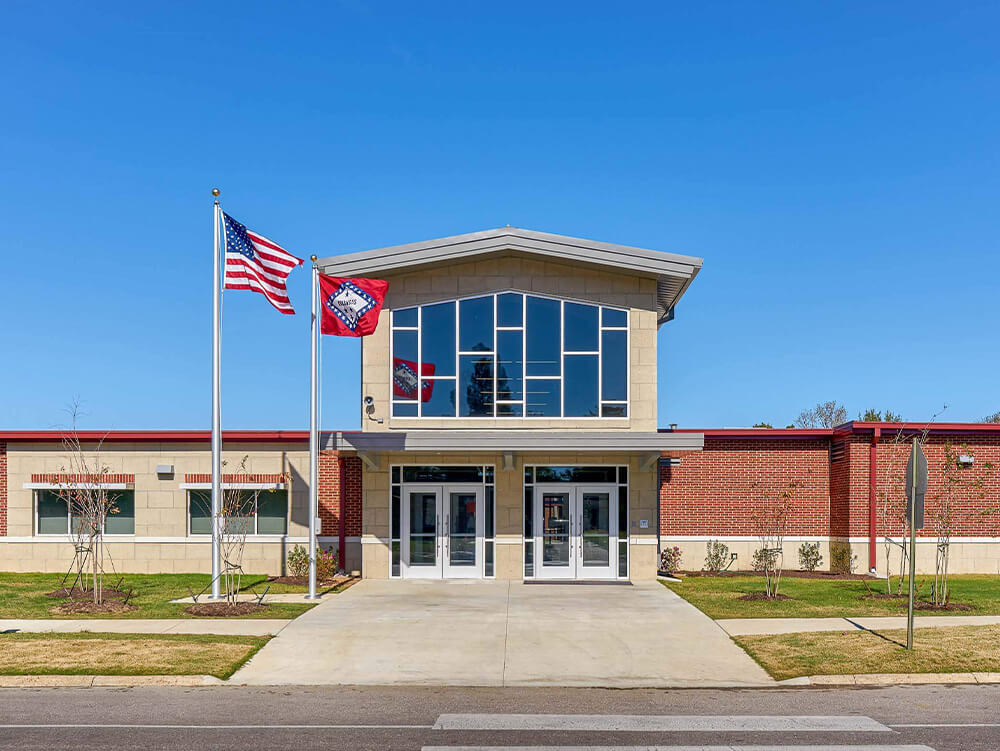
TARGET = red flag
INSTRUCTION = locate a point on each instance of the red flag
(404, 379)
(350, 307)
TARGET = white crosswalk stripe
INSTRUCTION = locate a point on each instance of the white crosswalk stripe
(662, 723)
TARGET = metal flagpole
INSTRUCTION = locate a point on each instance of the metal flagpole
(216, 400)
(313, 430)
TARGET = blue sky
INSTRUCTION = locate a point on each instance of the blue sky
(836, 164)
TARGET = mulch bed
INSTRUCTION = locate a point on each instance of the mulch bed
(763, 596)
(224, 609)
(949, 607)
(303, 581)
(110, 593)
(75, 607)
(794, 574)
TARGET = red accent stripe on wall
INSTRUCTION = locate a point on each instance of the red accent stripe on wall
(62, 478)
(258, 478)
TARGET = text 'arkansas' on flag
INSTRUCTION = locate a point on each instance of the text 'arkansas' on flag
(253, 262)
(350, 307)
(404, 379)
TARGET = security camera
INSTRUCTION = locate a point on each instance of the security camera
(369, 401)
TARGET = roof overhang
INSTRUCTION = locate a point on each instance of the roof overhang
(473, 441)
(673, 272)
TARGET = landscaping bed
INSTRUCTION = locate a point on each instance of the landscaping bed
(792, 573)
(125, 654)
(812, 597)
(957, 649)
(38, 595)
(225, 609)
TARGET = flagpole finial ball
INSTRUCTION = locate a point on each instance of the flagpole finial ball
(215, 192)
(312, 258)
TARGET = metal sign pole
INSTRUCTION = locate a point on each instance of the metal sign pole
(913, 542)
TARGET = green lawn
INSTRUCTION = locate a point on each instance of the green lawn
(125, 654)
(23, 596)
(952, 649)
(718, 597)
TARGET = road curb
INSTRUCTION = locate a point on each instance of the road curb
(88, 681)
(892, 679)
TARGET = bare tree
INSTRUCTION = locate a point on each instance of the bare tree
(770, 518)
(994, 418)
(823, 415)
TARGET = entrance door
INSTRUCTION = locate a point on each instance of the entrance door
(577, 531)
(421, 540)
(443, 528)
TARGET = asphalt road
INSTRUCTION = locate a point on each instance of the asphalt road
(955, 718)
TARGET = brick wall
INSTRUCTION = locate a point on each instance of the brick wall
(713, 492)
(331, 468)
(3, 489)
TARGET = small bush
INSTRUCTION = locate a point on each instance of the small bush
(298, 561)
(670, 560)
(764, 559)
(717, 558)
(842, 559)
(809, 556)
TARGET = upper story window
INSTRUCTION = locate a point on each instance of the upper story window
(510, 355)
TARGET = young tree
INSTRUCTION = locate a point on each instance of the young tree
(994, 418)
(770, 517)
(873, 415)
(823, 415)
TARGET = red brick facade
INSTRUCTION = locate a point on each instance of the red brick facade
(3, 489)
(713, 492)
(337, 474)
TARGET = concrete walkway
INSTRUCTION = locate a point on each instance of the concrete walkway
(226, 626)
(489, 633)
(755, 626)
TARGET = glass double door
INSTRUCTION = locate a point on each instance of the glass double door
(442, 532)
(576, 530)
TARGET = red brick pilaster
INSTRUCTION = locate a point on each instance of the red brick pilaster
(330, 467)
(3, 489)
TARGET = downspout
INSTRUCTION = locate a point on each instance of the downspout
(342, 539)
(873, 499)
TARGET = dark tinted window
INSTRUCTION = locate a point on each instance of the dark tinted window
(404, 317)
(510, 372)
(441, 402)
(475, 385)
(580, 382)
(614, 374)
(442, 474)
(404, 346)
(610, 317)
(580, 328)
(476, 325)
(437, 337)
(541, 398)
(575, 474)
(510, 309)
(543, 336)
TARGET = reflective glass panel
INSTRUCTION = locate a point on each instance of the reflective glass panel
(595, 526)
(404, 317)
(475, 333)
(488, 510)
(575, 474)
(476, 386)
(541, 398)
(200, 504)
(462, 531)
(272, 512)
(614, 366)
(543, 336)
(440, 398)
(404, 365)
(612, 317)
(510, 410)
(614, 410)
(423, 528)
(510, 370)
(404, 409)
(122, 521)
(580, 327)
(52, 514)
(442, 474)
(580, 382)
(555, 529)
(437, 338)
(510, 310)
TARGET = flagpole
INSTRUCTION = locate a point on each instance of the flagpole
(313, 430)
(216, 399)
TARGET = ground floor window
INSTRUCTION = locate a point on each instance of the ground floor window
(54, 517)
(576, 521)
(257, 512)
(442, 521)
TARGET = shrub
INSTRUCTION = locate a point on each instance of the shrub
(670, 560)
(298, 561)
(809, 557)
(842, 559)
(717, 558)
(764, 559)
(326, 564)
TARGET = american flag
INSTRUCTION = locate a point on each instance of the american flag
(253, 262)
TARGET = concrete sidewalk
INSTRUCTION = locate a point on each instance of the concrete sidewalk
(498, 633)
(224, 626)
(757, 626)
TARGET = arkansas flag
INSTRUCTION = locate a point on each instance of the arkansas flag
(350, 307)
(404, 379)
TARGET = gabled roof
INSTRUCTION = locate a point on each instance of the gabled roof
(673, 272)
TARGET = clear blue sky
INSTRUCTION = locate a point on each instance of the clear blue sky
(836, 164)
